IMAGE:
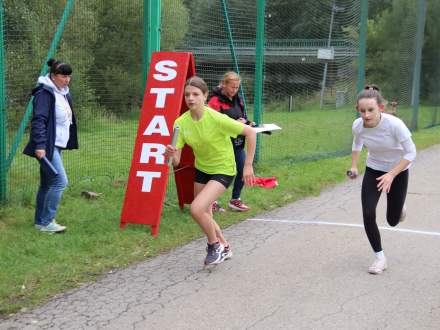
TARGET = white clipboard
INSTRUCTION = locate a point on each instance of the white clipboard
(266, 128)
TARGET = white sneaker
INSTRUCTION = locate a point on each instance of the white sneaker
(403, 214)
(53, 227)
(378, 266)
(227, 253)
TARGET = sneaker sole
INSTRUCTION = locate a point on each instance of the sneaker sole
(373, 272)
(53, 231)
(215, 262)
(235, 208)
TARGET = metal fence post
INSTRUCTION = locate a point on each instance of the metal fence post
(3, 127)
(232, 49)
(415, 92)
(362, 45)
(152, 12)
(329, 41)
(259, 62)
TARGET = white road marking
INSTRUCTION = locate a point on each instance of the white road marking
(329, 223)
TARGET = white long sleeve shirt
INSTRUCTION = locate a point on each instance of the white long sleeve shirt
(63, 112)
(388, 143)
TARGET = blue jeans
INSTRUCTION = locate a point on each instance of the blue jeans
(240, 157)
(50, 191)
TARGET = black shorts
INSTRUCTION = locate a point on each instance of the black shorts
(203, 178)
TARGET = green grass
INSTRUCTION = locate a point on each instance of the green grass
(35, 266)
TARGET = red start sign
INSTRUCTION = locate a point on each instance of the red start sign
(163, 103)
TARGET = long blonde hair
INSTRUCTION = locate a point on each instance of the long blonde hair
(230, 76)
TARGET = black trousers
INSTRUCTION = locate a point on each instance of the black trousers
(370, 197)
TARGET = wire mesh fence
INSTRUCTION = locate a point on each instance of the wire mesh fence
(102, 40)
(311, 61)
(310, 54)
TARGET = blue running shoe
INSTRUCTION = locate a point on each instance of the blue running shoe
(214, 255)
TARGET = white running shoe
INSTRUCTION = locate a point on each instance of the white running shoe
(378, 266)
(52, 227)
(227, 253)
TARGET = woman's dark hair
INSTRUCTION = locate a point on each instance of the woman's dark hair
(372, 86)
(370, 94)
(56, 67)
(197, 82)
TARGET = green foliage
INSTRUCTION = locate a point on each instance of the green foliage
(310, 20)
(376, 7)
(117, 61)
(391, 50)
(102, 41)
(174, 24)
(284, 18)
(430, 82)
(27, 26)
(202, 14)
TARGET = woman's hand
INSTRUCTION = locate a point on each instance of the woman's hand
(248, 175)
(40, 153)
(242, 120)
(385, 182)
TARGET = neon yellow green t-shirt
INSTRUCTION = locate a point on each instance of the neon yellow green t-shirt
(210, 139)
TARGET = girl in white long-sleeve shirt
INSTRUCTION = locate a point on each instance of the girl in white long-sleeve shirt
(390, 153)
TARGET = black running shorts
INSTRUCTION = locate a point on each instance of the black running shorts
(203, 178)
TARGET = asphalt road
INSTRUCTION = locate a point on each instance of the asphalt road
(303, 266)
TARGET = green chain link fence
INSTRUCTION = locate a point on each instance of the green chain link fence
(302, 63)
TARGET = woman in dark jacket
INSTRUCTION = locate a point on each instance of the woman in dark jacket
(225, 99)
(53, 129)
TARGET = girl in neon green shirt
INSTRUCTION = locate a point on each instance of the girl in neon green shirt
(209, 133)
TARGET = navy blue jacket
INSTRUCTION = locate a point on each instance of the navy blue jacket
(42, 134)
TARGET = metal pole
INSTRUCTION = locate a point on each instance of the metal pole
(232, 49)
(145, 44)
(259, 62)
(324, 78)
(3, 129)
(362, 45)
(151, 42)
(415, 93)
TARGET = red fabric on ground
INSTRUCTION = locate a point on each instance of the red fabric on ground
(267, 183)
